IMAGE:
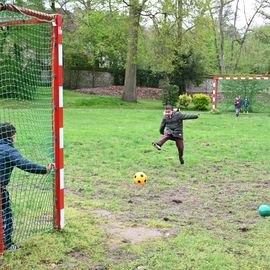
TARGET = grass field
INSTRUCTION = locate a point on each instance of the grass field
(202, 215)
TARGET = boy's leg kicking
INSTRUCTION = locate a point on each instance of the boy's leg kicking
(164, 139)
(180, 146)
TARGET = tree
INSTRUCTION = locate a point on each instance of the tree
(135, 9)
(256, 53)
(33, 4)
(178, 30)
(228, 32)
(260, 5)
(97, 39)
(185, 38)
(188, 67)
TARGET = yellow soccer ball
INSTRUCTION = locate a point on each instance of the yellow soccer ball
(140, 178)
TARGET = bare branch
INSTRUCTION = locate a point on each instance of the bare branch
(257, 10)
(265, 15)
(188, 29)
(148, 13)
(245, 13)
(126, 3)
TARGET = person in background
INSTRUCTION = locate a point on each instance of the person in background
(246, 104)
(237, 105)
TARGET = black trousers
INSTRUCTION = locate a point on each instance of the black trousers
(7, 217)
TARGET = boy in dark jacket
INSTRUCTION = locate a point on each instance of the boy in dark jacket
(9, 159)
(237, 105)
(173, 121)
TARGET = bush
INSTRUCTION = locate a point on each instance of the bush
(201, 102)
(118, 75)
(148, 78)
(20, 85)
(184, 101)
(170, 95)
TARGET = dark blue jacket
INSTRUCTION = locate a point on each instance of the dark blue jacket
(10, 157)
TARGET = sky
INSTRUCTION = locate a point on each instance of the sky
(249, 6)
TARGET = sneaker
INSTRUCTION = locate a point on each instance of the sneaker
(182, 162)
(156, 145)
(13, 246)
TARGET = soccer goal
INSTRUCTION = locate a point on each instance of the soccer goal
(217, 81)
(31, 99)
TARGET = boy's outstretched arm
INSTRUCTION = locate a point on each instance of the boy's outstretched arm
(22, 163)
(162, 126)
(188, 116)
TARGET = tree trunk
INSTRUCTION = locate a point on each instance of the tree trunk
(110, 5)
(215, 40)
(221, 29)
(130, 89)
(234, 37)
(179, 5)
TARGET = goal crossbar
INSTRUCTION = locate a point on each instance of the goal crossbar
(36, 14)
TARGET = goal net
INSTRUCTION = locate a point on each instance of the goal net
(254, 89)
(31, 105)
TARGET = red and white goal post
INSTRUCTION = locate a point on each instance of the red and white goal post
(31, 66)
(216, 80)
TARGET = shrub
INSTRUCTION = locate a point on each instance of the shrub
(19, 86)
(148, 78)
(184, 101)
(201, 102)
(118, 75)
(170, 95)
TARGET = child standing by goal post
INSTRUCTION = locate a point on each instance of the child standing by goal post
(173, 122)
(9, 159)
(246, 104)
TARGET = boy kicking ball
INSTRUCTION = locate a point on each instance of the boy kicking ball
(173, 122)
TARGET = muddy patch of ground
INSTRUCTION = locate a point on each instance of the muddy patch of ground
(122, 232)
(78, 255)
(75, 192)
(134, 235)
(226, 208)
(224, 204)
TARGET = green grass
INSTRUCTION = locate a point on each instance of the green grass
(225, 179)
(75, 100)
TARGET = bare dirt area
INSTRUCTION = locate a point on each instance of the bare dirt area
(117, 90)
(226, 208)
(124, 233)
